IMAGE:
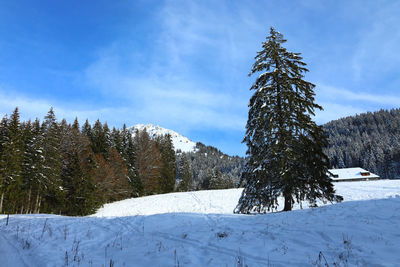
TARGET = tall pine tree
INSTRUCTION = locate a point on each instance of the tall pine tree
(284, 145)
(148, 162)
(52, 165)
(3, 140)
(11, 163)
(185, 175)
(168, 169)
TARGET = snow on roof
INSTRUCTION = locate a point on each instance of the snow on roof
(351, 173)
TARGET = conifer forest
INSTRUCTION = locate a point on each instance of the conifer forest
(71, 169)
(56, 167)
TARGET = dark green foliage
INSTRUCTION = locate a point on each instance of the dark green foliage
(11, 162)
(185, 175)
(131, 159)
(122, 141)
(369, 140)
(285, 147)
(100, 139)
(168, 169)
(208, 159)
(33, 165)
(78, 173)
(3, 141)
(87, 129)
(52, 166)
(219, 181)
(116, 141)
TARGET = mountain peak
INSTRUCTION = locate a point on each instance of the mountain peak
(179, 141)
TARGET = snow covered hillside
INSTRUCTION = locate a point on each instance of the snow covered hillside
(224, 201)
(361, 232)
(180, 142)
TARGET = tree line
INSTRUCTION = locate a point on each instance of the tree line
(61, 168)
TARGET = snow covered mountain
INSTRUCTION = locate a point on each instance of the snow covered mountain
(180, 142)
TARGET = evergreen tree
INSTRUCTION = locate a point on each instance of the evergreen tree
(126, 137)
(185, 175)
(148, 162)
(87, 129)
(11, 163)
(131, 161)
(33, 165)
(107, 136)
(3, 141)
(168, 170)
(119, 181)
(285, 147)
(99, 139)
(52, 165)
(116, 140)
(216, 180)
(78, 173)
(27, 171)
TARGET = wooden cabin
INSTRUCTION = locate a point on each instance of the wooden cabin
(351, 175)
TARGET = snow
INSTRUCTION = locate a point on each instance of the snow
(199, 229)
(209, 201)
(224, 201)
(179, 141)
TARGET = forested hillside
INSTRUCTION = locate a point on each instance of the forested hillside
(369, 140)
(212, 169)
(56, 167)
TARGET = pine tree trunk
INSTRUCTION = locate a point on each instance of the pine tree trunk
(28, 207)
(36, 210)
(288, 203)
(1, 202)
(40, 201)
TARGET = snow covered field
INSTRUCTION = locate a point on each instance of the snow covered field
(224, 201)
(201, 230)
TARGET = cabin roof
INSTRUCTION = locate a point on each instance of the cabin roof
(350, 173)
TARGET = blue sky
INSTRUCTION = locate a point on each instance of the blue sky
(183, 65)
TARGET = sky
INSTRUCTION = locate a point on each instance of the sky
(184, 65)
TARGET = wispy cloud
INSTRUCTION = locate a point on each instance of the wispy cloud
(345, 96)
(378, 48)
(340, 102)
(32, 108)
(170, 89)
(334, 111)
